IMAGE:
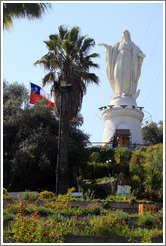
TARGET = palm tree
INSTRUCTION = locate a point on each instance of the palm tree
(68, 59)
(20, 10)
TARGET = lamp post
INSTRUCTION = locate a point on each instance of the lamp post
(62, 87)
(109, 161)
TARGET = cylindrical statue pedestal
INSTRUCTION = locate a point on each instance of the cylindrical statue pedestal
(123, 121)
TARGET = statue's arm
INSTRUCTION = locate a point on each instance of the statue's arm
(105, 45)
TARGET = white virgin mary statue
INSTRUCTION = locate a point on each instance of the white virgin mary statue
(123, 66)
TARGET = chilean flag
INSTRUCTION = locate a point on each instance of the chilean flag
(37, 94)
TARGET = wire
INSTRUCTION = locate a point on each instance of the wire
(149, 92)
(149, 24)
(152, 53)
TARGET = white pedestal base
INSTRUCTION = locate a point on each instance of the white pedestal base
(118, 117)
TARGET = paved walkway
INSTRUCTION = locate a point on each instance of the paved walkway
(21, 194)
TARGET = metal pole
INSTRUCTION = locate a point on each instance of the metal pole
(59, 143)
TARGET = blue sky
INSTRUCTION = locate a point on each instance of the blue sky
(104, 22)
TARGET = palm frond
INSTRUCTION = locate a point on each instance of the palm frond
(74, 34)
(79, 41)
(62, 32)
(88, 43)
(93, 55)
(50, 44)
(48, 78)
(90, 77)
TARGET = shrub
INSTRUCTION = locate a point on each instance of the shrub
(33, 229)
(58, 217)
(132, 200)
(148, 220)
(95, 156)
(106, 205)
(114, 198)
(5, 192)
(96, 210)
(30, 196)
(30, 208)
(154, 168)
(121, 214)
(46, 194)
(8, 216)
(43, 210)
(107, 225)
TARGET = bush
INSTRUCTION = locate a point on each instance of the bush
(8, 216)
(43, 210)
(46, 195)
(132, 200)
(148, 220)
(106, 205)
(30, 196)
(121, 214)
(33, 229)
(107, 225)
(153, 168)
(96, 157)
(5, 192)
(96, 210)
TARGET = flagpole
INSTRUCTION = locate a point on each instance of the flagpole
(59, 143)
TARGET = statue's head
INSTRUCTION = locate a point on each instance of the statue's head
(126, 35)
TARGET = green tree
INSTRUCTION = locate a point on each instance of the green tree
(68, 59)
(122, 157)
(154, 168)
(30, 142)
(20, 10)
(153, 133)
(136, 166)
(96, 157)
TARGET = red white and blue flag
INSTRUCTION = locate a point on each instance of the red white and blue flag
(37, 94)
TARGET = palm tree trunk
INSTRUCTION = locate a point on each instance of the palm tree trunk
(63, 176)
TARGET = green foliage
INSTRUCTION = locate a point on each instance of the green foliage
(88, 195)
(28, 227)
(30, 196)
(121, 214)
(96, 157)
(136, 182)
(106, 205)
(5, 195)
(33, 229)
(136, 166)
(30, 142)
(122, 155)
(109, 224)
(20, 10)
(153, 133)
(136, 162)
(122, 158)
(148, 220)
(105, 153)
(93, 209)
(102, 179)
(8, 216)
(154, 168)
(94, 170)
(114, 198)
(5, 192)
(46, 194)
(146, 234)
(43, 210)
(132, 200)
